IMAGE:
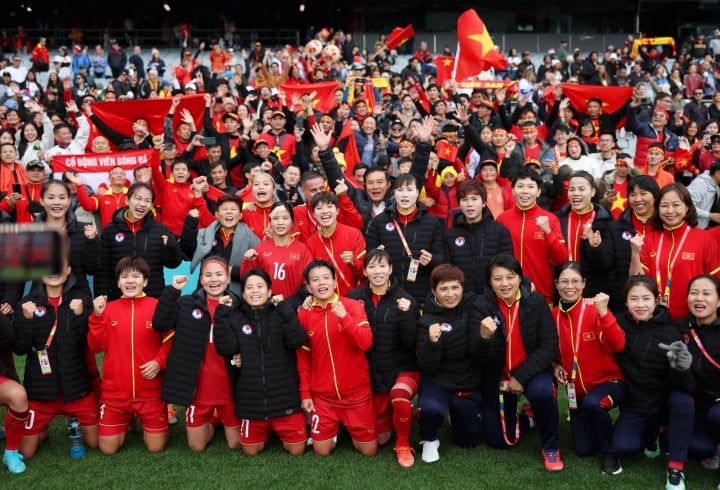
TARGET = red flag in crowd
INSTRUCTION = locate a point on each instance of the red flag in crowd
(346, 138)
(613, 98)
(476, 50)
(121, 115)
(323, 99)
(446, 151)
(399, 36)
(444, 66)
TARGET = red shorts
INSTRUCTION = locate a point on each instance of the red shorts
(289, 428)
(358, 418)
(197, 416)
(3, 379)
(40, 413)
(116, 415)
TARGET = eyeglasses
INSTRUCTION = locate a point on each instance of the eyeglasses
(568, 282)
(606, 140)
(698, 93)
(397, 129)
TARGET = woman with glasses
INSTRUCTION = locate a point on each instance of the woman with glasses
(589, 338)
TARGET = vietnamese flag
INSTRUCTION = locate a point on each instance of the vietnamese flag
(399, 36)
(322, 92)
(121, 115)
(476, 50)
(446, 151)
(444, 66)
(613, 98)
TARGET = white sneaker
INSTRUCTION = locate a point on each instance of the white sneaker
(430, 451)
(712, 463)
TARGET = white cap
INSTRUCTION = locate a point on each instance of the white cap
(191, 85)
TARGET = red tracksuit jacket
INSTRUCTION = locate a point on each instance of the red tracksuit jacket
(595, 342)
(333, 364)
(124, 331)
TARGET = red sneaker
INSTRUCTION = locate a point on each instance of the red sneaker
(405, 456)
(552, 460)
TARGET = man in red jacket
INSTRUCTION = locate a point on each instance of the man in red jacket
(333, 370)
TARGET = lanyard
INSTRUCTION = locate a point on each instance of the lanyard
(501, 398)
(576, 346)
(671, 262)
(402, 239)
(54, 327)
(703, 350)
(512, 323)
(574, 243)
(332, 258)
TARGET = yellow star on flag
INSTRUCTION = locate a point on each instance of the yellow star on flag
(484, 39)
(447, 62)
(619, 203)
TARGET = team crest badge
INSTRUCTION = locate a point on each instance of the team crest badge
(626, 235)
(446, 327)
(247, 329)
(120, 237)
(197, 313)
(390, 227)
(459, 241)
(40, 311)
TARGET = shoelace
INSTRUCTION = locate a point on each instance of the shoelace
(551, 456)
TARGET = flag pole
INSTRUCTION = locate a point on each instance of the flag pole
(457, 58)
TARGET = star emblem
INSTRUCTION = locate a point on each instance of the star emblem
(619, 203)
(447, 62)
(484, 39)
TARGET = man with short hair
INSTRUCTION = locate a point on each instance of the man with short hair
(705, 194)
(655, 131)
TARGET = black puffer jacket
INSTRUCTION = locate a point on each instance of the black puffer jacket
(70, 379)
(593, 259)
(539, 336)
(118, 241)
(191, 337)
(84, 253)
(470, 246)
(705, 385)
(424, 232)
(646, 368)
(616, 249)
(452, 362)
(10, 293)
(267, 338)
(394, 335)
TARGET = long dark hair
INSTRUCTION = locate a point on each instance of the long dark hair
(691, 215)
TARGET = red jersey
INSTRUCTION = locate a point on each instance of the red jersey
(257, 219)
(575, 224)
(213, 383)
(283, 263)
(591, 339)
(124, 332)
(673, 257)
(306, 224)
(176, 200)
(330, 248)
(515, 353)
(283, 145)
(537, 252)
(107, 203)
(333, 364)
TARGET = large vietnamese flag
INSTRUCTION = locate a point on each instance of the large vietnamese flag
(399, 36)
(121, 115)
(613, 98)
(476, 50)
(323, 93)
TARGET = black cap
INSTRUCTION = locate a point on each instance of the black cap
(35, 164)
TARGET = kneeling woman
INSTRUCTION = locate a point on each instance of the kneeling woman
(519, 344)
(134, 356)
(448, 340)
(394, 373)
(197, 377)
(657, 394)
(589, 339)
(51, 331)
(262, 338)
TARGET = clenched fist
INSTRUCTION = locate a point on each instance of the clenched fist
(99, 304)
(179, 282)
(487, 327)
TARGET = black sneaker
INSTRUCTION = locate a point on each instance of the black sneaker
(675, 480)
(611, 464)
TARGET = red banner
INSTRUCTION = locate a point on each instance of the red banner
(613, 98)
(483, 84)
(121, 115)
(94, 167)
(399, 36)
(324, 98)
